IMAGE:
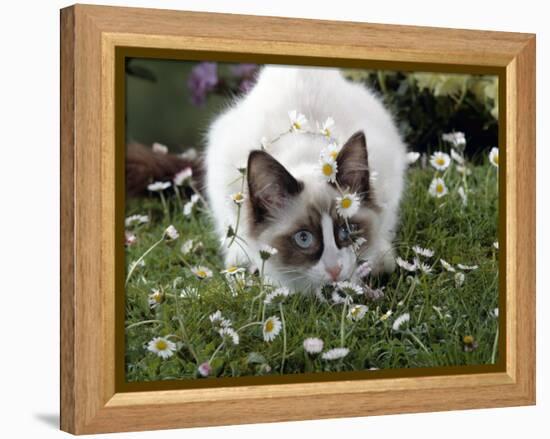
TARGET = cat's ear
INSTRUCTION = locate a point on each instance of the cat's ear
(270, 185)
(353, 166)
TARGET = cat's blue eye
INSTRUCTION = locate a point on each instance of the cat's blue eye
(344, 231)
(303, 238)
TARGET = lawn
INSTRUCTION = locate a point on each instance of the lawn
(452, 315)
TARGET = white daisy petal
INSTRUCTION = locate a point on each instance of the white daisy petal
(348, 204)
(440, 160)
(313, 345)
(271, 328)
(493, 157)
(335, 354)
(437, 188)
(400, 321)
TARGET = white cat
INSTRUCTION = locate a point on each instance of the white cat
(289, 205)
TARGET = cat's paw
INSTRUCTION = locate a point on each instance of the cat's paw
(384, 263)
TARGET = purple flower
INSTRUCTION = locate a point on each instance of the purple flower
(205, 369)
(244, 70)
(202, 80)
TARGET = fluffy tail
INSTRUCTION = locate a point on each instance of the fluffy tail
(143, 166)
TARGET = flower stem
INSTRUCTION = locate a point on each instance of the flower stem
(164, 205)
(415, 338)
(144, 322)
(342, 325)
(495, 346)
(136, 263)
(284, 337)
(236, 226)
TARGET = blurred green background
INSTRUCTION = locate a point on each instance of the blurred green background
(172, 102)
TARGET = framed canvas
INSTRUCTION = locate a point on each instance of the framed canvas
(206, 281)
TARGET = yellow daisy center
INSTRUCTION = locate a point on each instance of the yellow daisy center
(327, 132)
(440, 161)
(232, 269)
(238, 197)
(201, 273)
(157, 297)
(355, 311)
(327, 169)
(161, 345)
(439, 188)
(495, 159)
(346, 203)
(333, 155)
(297, 125)
(468, 339)
(268, 326)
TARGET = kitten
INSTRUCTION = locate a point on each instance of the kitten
(288, 204)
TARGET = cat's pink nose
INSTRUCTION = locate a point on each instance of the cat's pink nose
(334, 272)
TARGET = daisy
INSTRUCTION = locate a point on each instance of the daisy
(424, 268)
(459, 279)
(313, 345)
(463, 170)
(423, 251)
(495, 245)
(338, 297)
(331, 151)
(437, 188)
(204, 369)
(363, 270)
(412, 157)
(159, 148)
(357, 312)
(189, 154)
(277, 296)
(493, 157)
(329, 168)
(136, 219)
(182, 176)
(155, 298)
(271, 328)
(298, 121)
(161, 346)
(327, 125)
(457, 157)
(217, 317)
(159, 186)
(201, 272)
(335, 354)
(238, 198)
(186, 247)
(228, 333)
(494, 313)
(233, 270)
(455, 138)
(447, 266)
(405, 265)
(349, 288)
(267, 251)
(189, 292)
(462, 194)
(188, 207)
(386, 316)
(171, 233)
(440, 160)
(348, 205)
(400, 321)
(467, 267)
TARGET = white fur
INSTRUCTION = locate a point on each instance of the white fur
(318, 93)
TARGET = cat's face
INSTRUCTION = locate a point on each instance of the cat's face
(298, 217)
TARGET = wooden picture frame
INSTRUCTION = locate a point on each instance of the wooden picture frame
(91, 38)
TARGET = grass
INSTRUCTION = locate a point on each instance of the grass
(441, 313)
